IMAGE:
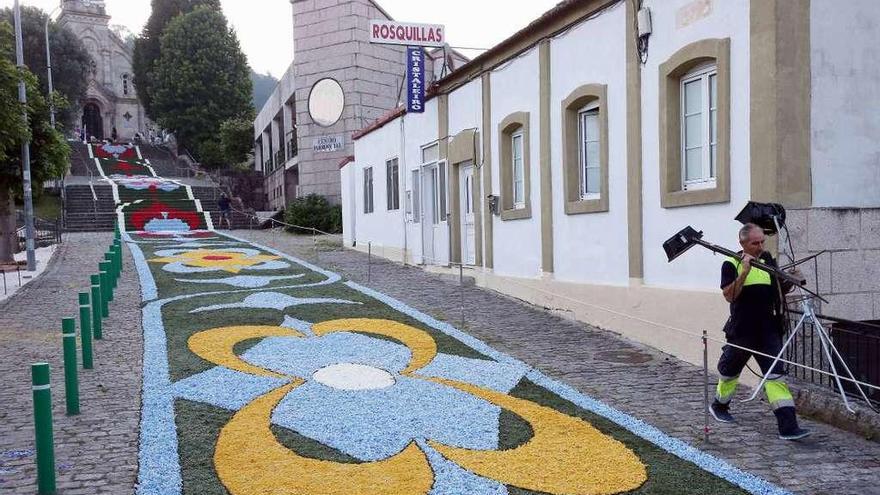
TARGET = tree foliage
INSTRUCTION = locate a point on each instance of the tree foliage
(147, 47)
(201, 79)
(71, 61)
(316, 212)
(237, 138)
(49, 151)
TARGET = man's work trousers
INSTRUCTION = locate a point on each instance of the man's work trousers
(734, 359)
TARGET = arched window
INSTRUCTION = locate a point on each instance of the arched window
(125, 84)
(585, 149)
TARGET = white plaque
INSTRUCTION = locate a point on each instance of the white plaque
(407, 33)
(328, 144)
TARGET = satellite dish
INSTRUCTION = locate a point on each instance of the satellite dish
(326, 102)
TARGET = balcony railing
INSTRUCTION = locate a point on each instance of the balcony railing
(267, 165)
(279, 157)
(292, 150)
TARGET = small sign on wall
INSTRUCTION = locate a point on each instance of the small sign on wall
(415, 80)
(328, 144)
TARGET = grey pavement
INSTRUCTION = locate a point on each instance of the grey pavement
(633, 378)
(96, 451)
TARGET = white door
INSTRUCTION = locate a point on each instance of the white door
(429, 212)
(466, 207)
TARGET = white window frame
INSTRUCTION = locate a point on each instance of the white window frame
(520, 202)
(707, 179)
(440, 180)
(368, 191)
(392, 184)
(591, 108)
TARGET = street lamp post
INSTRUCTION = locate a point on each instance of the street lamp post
(49, 68)
(25, 149)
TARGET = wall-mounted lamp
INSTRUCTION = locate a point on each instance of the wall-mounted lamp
(493, 204)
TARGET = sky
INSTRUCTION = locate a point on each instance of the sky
(265, 28)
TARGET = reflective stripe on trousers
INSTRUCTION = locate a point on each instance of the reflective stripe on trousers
(777, 391)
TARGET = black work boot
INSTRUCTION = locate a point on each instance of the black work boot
(721, 412)
(788, 425)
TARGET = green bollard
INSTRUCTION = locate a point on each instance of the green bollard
(111, 271)
(43, 428)
(85, 330)
(97, 312)
(105, 286)
(119, 261)
(71, 383)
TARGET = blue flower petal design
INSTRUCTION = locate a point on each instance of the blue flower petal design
(493, 375)
(375, 424)
(302, 357)
(273, 300)
(449, 477)
(226, 388)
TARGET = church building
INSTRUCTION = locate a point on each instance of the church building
(111, 101)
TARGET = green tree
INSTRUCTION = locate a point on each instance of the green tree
(71, 62)
(147, 47)
(237, 138)
(49, 151)
(201, 79)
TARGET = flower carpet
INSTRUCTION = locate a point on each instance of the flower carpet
(265, 374)
(145, 201)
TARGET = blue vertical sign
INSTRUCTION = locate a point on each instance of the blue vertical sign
(415, 79)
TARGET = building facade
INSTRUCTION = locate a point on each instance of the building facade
(298, 155)
(111, 99)
(556, 164)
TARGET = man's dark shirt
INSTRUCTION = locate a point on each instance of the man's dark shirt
(755, 310)
(223, 203)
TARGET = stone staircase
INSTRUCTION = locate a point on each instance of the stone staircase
(85, 212)
(82, 213)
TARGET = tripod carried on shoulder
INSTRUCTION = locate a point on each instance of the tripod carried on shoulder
(771, 218)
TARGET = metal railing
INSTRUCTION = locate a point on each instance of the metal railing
(857, 342)
(292, 149)
(46, 233)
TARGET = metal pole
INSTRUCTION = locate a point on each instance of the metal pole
(85, 330)
(369, 260)
(71, 382)
(42, 394)
(49, 71)
(96, 307)
(25, 150)
(461, 289)
(705, 387)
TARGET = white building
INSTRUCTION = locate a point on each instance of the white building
(111, 99)
(598, 145)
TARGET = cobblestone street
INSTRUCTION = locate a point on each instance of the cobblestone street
(96, 452)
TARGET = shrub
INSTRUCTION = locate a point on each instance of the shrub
(316, 212)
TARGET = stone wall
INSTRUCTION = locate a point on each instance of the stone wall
(849, 272)
(331, 39)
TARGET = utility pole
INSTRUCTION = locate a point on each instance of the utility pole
(25, 150)
(49, 67)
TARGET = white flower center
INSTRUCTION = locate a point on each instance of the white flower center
(352, 376)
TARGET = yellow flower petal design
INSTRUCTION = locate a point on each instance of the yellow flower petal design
(250, 461)
(566, 456)
(420, 343)
(230, 261)
(216, 345)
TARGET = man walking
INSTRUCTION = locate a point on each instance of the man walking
(755, 323)
(225, 211)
